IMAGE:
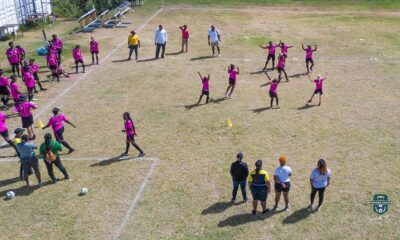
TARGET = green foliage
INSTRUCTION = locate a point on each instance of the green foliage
(76, 8)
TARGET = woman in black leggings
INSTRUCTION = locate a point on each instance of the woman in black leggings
(319, 179)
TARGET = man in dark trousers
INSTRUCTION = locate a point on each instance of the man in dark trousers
(239, 173)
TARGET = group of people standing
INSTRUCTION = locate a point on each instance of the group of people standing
(260, 184)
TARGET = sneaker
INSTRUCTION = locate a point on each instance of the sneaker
(71, 151)
(244, 200)
(124, 154)
(287, 208)
(233, 200)
(310, 206)
(253, 212)
(275, 209)
(318, 208)
(265, 211)
(229, 96)
(54, 181)
(141, 154)
(66, 177)
(40, 184)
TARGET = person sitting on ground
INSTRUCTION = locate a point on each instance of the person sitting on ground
(28, 159)
(239, 173)
(260, 186)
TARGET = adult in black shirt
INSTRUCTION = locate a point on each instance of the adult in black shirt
(239, 173)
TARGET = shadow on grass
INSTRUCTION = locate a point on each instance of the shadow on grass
(121, 60)
(297, 216)
(298, 75)
(194, 105)
(147, 60)
(202, 57)
(24, 190)
(111, 161)
(260, 110)
(257, 72)
(218, 100)
(174, 53)
(9, 181)
(243, 218)
(307, 106)
(218, 207)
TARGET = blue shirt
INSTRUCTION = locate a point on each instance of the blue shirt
(25, 150)
(319, 180)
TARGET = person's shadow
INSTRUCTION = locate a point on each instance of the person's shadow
(24, 190)
(297, 216)
(243, 218)
(307, 106)
(218, 100)
(111, 161)
(202, 57)
(298, 75)
(9, 181)
(147, 60)
(260, 110)
(121, 60)
(174, 53)
(218, 207)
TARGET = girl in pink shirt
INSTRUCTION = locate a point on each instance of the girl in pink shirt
(34, 68)
(4, 130)
(29, 82)
(61, 71)
(273, 90)
(24, 110)
(206, 88)
(21, 54)
(51, 58)
(57, 46)
(281, 65)
(4, 89)
(78, 57)
(130, 135)
(271, 54)
(284, 48)
(309, 59)
(56, 123)
(318, 87)
(15, 93)
(232, 79)
(94, 50)
(13, 58)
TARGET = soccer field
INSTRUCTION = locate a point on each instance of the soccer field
(356, 129)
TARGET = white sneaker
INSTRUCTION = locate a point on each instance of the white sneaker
(310, 206)
(317, 208)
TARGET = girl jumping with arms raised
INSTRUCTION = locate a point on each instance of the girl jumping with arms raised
(273, 90)
(206, 88)
(309, 59)
(232, 79)
(130, 135)
(271, 54)
(318, 87)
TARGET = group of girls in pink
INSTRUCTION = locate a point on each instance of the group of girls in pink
(15, 56)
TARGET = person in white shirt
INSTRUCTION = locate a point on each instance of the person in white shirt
(282, 182)
(320, 179)
(160, 41)
(214, 39)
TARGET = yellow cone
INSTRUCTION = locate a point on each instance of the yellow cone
(40, 124)
(229, 122)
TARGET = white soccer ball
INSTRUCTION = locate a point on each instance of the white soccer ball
(10, 194)
(84, 191)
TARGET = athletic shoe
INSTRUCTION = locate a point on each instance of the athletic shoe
(71, 151)
(317, 208)
(253, 212)
(287, 208)
(40, 184)
(275, 209)
(233, 200)
(141, 154)
(265, 211)
(124, 154)
(66, 177)
(310, 206)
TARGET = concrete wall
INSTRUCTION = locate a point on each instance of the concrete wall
(8, 15)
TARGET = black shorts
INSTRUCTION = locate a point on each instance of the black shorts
(309, 60)
(4, 134)
(4, 90)
(53, 67)
(59, 51)
(259, 193)
(318, 91)
(232, 81)
(27, 121)
(78, 61)
(59, 134)
(130, 137)
(281, 69)
(27, 165)
(94, 52)
(273, 94)
(15, 64)
(279, 188)
(204, 92)
(36, 76)
(270, 55)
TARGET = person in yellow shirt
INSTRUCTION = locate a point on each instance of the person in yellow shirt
(260, 186)
(133, 44)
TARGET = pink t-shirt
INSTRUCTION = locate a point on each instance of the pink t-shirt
(206, 87)
(57, 43)
(309, 53)
(29, 79)
(56, 122)
(34, 68)
(318, 84)
(51, 59)
(128, 124)
(185, 33)
(15, 91)
(94, 46)
(273, 87)
(13, 55)
(77, 54)
(284, 49)
(24, 109)
(232, 74)
(281, 62)
(21, 52)
(271, 49)
(4, 81)
(3, 126)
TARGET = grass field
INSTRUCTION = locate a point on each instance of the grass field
(356, 130)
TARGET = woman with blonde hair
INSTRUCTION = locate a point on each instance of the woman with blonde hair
(320, 179)
(282, 182)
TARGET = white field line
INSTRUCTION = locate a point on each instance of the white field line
(274, 10)
(128, 158)
(58, 96)
(135, 200)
